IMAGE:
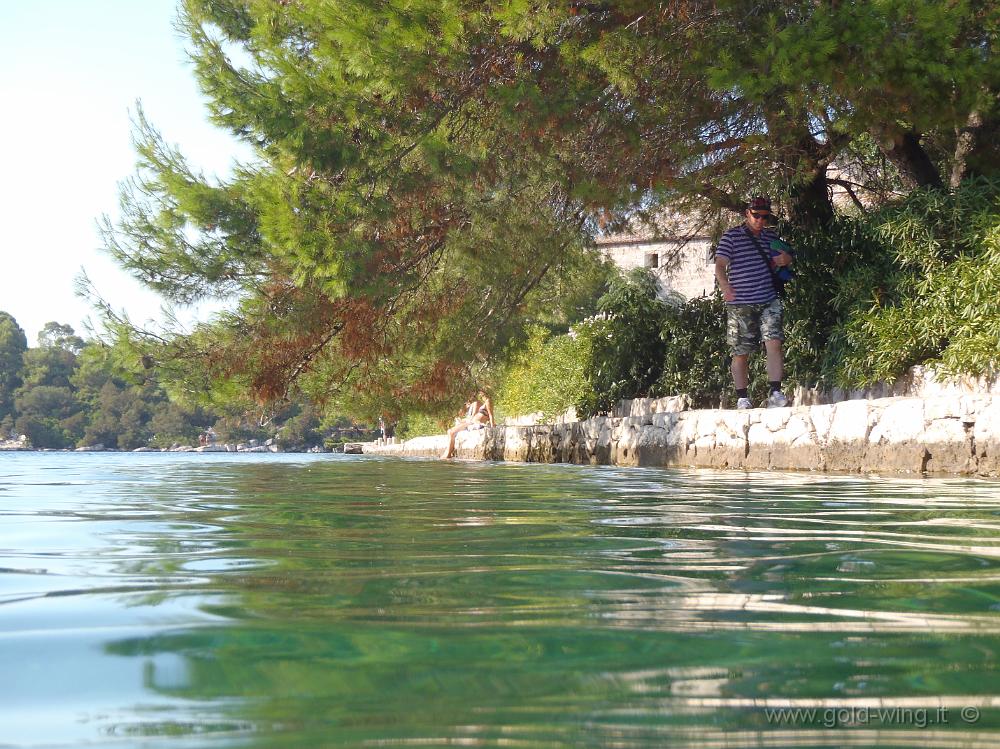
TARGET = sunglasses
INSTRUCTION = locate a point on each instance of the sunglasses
(759, 215)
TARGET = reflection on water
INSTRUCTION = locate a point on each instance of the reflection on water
(292, 601)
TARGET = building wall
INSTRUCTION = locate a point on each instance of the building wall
(686, 269)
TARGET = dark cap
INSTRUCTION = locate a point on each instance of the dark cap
(759, 203)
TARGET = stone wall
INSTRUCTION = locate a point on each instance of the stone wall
(944, 434)
(919, 381)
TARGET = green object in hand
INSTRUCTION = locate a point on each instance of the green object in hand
(783, 273)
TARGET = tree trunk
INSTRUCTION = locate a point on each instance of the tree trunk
(964, 145)
(804, 160)
(977, 148)
(903, 149)
(810, 201)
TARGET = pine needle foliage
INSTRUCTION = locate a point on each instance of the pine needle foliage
(429, 173)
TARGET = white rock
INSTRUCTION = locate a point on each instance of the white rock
(665, 420)
(798, 429)
(941, 431)
(987, 427)
(850, 421)
(759, 434)
(775, 419)
(902, 420)
(821, 418)
(945, 408)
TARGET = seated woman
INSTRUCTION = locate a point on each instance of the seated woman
(478, 415)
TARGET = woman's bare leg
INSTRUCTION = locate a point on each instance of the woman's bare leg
(451, 439)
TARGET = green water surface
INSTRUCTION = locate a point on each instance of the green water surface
(169, 600)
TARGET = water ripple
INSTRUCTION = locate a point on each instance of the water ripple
(306, 601)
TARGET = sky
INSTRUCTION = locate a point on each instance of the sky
(71, 72)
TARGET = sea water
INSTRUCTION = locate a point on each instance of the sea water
(213, 600)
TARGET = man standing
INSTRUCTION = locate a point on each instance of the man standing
(744, 268)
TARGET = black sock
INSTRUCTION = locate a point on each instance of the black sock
(741, 392)
(775, 386)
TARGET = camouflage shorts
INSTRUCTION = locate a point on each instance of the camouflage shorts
(746, 324)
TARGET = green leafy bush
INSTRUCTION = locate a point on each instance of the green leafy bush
(838, 268)
(934, 294)
(696, 357)
(547, 376)
(415, 424)
(622, 347)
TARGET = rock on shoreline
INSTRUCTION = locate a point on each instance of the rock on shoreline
(947, 434)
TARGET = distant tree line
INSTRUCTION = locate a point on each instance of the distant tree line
(67, 392)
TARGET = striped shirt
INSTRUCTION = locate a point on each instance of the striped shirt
(748, 274)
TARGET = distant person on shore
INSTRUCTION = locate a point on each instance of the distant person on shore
(745, 267)
(477, 414)
(387, 428)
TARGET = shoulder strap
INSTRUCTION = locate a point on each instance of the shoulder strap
(767, 262)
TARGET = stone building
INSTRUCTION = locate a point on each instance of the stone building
(684, 266)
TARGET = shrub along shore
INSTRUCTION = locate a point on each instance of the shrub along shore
(916, 282)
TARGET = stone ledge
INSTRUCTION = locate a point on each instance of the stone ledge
(948, 434)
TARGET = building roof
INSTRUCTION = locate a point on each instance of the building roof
(669, 226)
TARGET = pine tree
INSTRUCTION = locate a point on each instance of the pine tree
(429, 172)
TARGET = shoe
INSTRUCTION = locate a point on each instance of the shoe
(744, 403)
(777, 399)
